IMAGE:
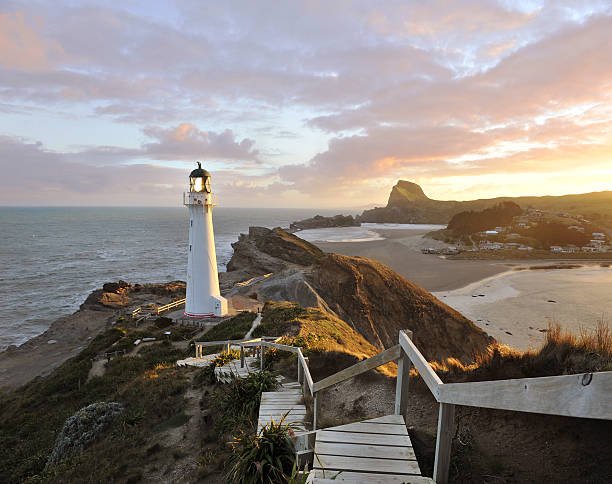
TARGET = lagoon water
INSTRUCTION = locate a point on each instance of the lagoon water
(52, 258)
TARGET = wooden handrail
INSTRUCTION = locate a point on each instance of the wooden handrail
(429, 376)
(306, 372)
(171, 305)
(230, 341)
(382, 358)
(584, 395)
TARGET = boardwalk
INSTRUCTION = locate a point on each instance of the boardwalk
(374, 451)
(287, 402)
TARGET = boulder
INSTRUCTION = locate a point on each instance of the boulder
(82, 429)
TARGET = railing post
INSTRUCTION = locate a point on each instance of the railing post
(403, 379)
(227, 350)
(300, 370)
(261, 353)
(444, 440)
(241, 356)
(316, 411)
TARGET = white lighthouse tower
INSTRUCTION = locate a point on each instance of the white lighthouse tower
(203, 298)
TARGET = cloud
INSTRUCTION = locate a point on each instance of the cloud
(21, 46)
(338, 103)
(44, 177)
(186, 141)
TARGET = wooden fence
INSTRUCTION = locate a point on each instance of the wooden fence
(160, 309)
(586, 395)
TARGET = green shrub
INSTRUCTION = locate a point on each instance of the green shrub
(267, 457)
(207, 375)
(238, 401)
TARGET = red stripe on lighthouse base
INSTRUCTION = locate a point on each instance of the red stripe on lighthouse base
(199, 316)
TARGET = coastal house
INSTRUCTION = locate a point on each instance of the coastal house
(598, 235)
(556, 249)
(491, 232)
(525, 247)
(588, 248)
(576, 227)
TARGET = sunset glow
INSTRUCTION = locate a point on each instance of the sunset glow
(316, 104)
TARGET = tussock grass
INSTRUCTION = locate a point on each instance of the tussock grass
(562, 353)
(268, 457)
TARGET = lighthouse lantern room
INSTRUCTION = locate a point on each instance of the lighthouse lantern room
(203, 299)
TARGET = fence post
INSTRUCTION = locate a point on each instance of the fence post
(241, 356)
(316, 411)
(227, 350)
(444, 440)
(403, 379)
(261, 352)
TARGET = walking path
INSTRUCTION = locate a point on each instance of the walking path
(287, 403)
(374, 451)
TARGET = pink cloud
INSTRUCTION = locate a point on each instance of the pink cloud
(21, 44)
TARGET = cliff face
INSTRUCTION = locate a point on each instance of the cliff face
(373, 299)
(263, 250)
(378, 302)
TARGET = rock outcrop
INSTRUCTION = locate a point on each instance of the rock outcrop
(117, 295)
(373, 299)
(318, 222)
(263, 250)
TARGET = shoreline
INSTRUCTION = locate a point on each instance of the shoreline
(509, 299)
(400, 249)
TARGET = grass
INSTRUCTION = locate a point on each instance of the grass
(148, 385)
(233, 328)
(562, 353)
(237, 403)
(207, 375)
(332, 342)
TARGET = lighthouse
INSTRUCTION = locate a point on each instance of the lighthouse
(203, 299)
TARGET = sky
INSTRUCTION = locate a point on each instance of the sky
(302, 104)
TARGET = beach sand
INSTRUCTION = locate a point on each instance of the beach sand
(514, 307)
(401, 251)
(517, 307)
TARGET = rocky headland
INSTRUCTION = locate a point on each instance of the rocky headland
(321, 222)
(373, 299)
(70, 334)
(408, 203)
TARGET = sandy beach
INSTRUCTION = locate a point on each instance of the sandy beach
(512, 304)
(401, 250)
(516, 307)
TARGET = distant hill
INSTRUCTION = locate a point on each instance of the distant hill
(409, 204)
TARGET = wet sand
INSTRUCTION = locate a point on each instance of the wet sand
(514, 306)
(517, 307)
(401, 251)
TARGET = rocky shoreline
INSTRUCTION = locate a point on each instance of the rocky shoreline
(69, 334)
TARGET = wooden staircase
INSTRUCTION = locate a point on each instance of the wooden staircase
(373, 451)
(233, 369)
(286, 404)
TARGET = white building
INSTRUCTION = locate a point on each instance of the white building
(203, 298)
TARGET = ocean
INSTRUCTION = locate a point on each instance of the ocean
(52, 258)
